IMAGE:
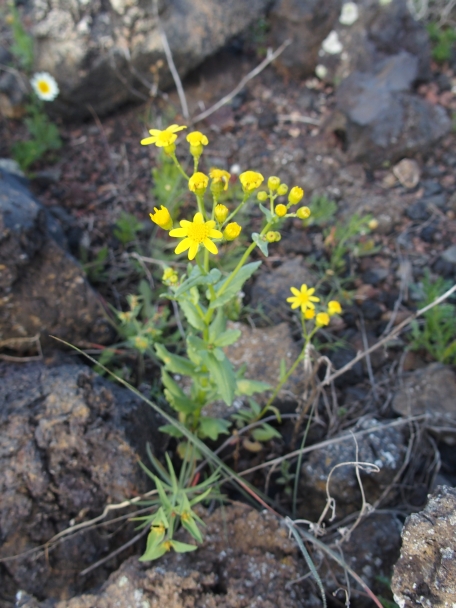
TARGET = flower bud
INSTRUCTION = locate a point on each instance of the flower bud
(281, 210)
(303, 213)
(373, 224)
(282, 189)
(251, 180)
(322, 319)
(295, 195)
(334, 308)
(273, 182)
(221, 213)
(198, 183)
(262, 196)
(232, 231)
(162, 218)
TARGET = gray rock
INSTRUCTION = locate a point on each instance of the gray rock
(261, 350)
(246, 559)
(382, 121)
(383, 447)
(431, 391)
(306, 23)
(43, 290)
(101, 52)
(425, 574)
(69, 445)
(449, 255)
(272, 288)
(379, 32)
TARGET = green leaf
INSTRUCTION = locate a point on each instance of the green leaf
(175, 363)
(263, 245)
(230, 336)
(265, 433)
(217, 326)
(171, 385)
(197, 344)
(171, 430)
(182, 547)
(190, 525)
(267, 213)
(180, 404)
(222, 375)
(154, 553)
(250, 387)
(283, 370)
(196, 277)
(162, 494)
(213, 427)
(192, 315)
(235, 286)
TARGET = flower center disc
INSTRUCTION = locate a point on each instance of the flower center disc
(198, 232)
(44, 87)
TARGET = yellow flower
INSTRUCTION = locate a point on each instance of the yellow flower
(262, 196)
(270, 236)
(163, 138)
(162, 218)
(273, 182)
(281, 210)
(282, 189)
(373, 224)
(232, 231)
(322, 319)
(220, 176)
(295, 195)
(196, 233)
(141, 343)
(195, 138)
(198, 182)
(221, 213)
(169, 275)
(45, 86)
(303, 213)
(304, 298)
(251, 180)
(309, 314)
(334, 308)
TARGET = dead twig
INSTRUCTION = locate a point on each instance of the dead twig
(270, 57)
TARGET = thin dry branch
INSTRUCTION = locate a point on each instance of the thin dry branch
(395, 332)
(270, 57)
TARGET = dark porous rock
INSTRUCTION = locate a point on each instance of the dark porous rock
(261, 350)
(306, 23)
(245, 560)
(342, 356)
(381, 120)
(418, 212)
(427, 234)
(43, 290)
(371, 310)
(272, 288)
(371, 550)
(101, 53)
(382, 447)
(425, 575)
(375, 33)
(431, 391)
(70, 443)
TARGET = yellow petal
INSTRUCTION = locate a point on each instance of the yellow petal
(174, 128)
(148, 140)
(155, 132)
(215, 234)
(183, 246)
(198, 219)
(295, 291)
(193, 250)
(210, 224)
(185, 223)
(210, 246)
(179, 232)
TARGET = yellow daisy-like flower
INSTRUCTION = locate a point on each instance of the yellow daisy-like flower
(163, 138)
(322, 319)
(334, 308)
(232, 231)
(198, 182)
(220, 176)
(251, 180)
(162, 218)
(195, 138)
(196, 233)
(45, 86)
(303, 298)
(309, 314)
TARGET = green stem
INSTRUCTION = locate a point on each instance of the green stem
(283, 381)
(238, 208)
(178, 165)
(201, 208)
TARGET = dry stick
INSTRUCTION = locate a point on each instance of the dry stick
(334, 440)
(103, 560)
(387, 338)
(243, 82)
(171, 65)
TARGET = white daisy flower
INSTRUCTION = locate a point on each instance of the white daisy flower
(349, 13)
(331, 44)
(45, 86)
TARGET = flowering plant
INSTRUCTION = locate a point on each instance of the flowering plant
(203, 293)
